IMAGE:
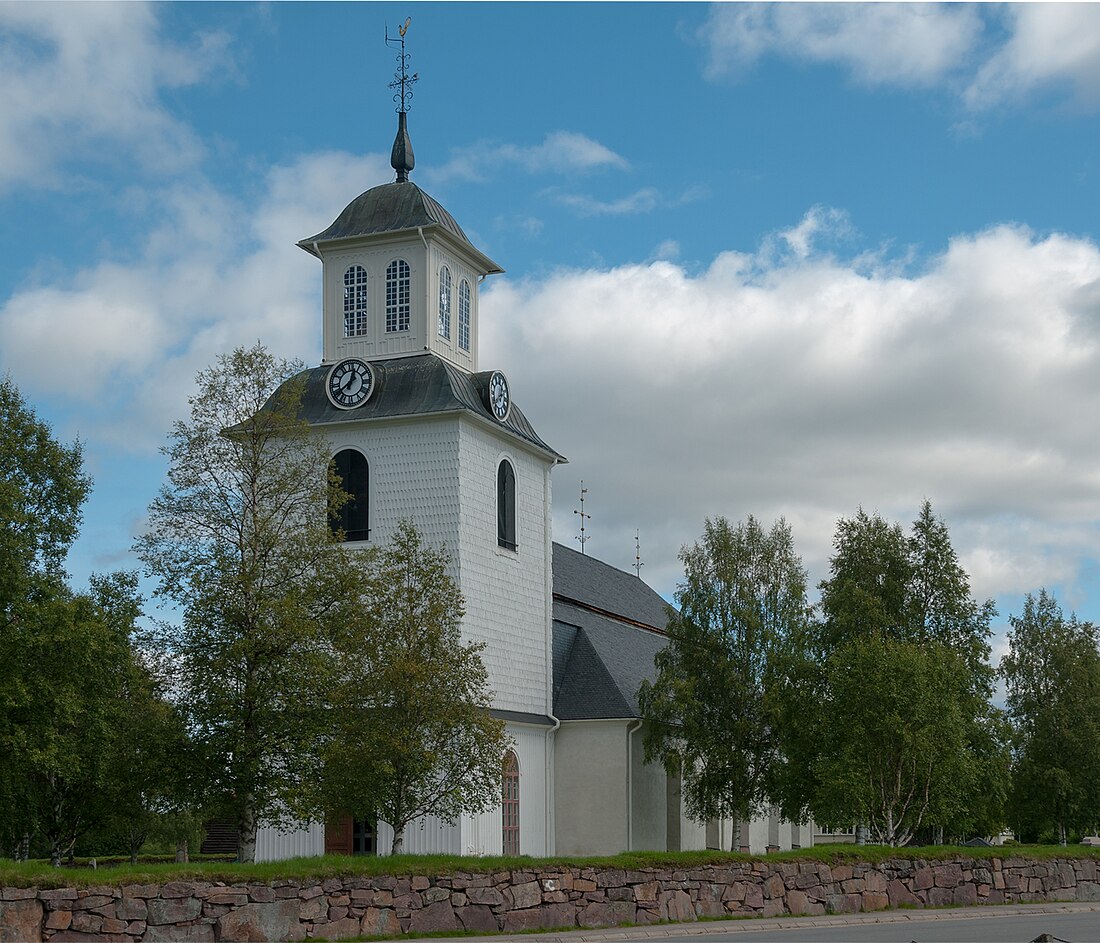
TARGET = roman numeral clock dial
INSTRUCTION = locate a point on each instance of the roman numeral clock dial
(350, 384)
(500, 400)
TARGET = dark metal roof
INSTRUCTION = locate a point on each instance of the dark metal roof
(413, 386)
(601, 652)
(392, 207)
(595, 583)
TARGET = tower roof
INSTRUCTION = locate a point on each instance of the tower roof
(421, 385)
(394, 208)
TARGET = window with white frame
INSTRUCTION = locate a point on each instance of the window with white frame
(398, 278)
(355, 301)
(464, 315)
(352, 518)
(506, 505)
(445, 302)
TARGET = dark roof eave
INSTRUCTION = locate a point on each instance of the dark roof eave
(312, 244)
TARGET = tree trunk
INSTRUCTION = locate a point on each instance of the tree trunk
(55, 852)
(246, 840)
(24, 851)
(182, 856)
(1062, 832)
(398, 840)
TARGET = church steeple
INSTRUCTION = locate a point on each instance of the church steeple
(401, 157)
(400, 276)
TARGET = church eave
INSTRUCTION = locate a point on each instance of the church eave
(477, 259)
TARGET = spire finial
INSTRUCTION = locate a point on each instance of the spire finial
(401, 157)
(638, 564)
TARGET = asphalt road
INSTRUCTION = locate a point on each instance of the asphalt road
(1065, 923)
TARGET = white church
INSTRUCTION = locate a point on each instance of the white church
(420, 431)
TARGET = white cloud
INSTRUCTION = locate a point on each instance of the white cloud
(806, 385)
(124, 341)
(1050, 44)
(641, 201)
(81, 79)
(880, 43)
(644, 200)
(561, 152)
(990, 54)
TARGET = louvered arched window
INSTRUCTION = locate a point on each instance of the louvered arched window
(445, 302)
(398, 278)
(354, 517)
(506, 505)
(509, 806)
(464, 315)
(355, 301)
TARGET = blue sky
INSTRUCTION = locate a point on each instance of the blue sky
(782, 260)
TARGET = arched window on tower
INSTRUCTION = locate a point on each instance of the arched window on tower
(398, 280)
(506, 505)
(355, 301)
(354, 474)
(445, 302)
(464, 315)
(509, 806)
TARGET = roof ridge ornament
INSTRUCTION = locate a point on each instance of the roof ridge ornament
(401, 157)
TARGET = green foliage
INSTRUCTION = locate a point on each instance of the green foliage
(65, 656)
(708, 713)
(156, 795)
(913, 588)
(42, 488)
(1052, 679)
(239, 539)
(895, 751)
(885, 713)
(66, 659)
(410, 733)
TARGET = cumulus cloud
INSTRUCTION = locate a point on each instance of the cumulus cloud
(77, 77)
(1049, 44)
(880, 43)
(808, 385)
(124, 340)
(989, 54)
(561, 152)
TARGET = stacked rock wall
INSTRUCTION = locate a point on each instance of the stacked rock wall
(509, 901)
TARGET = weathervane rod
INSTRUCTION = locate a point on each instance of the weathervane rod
(402, 81)
(583, 538)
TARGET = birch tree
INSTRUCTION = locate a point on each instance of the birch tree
(238, 539)
(709, 712)
(886, 712)
(1052, 681)
(410, 733)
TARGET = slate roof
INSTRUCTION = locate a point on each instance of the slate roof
(393, 207)
(414, 386)
(602, 649)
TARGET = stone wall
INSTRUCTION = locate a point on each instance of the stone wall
(511, 901)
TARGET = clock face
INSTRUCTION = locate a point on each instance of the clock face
(350, 384)
(499, 399)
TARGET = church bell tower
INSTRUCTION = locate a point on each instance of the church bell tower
(419, 432)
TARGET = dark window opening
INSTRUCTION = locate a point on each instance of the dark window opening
(506, 506)
(354, 474)
(364, 838)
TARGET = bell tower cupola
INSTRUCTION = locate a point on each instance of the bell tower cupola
(400, 276)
